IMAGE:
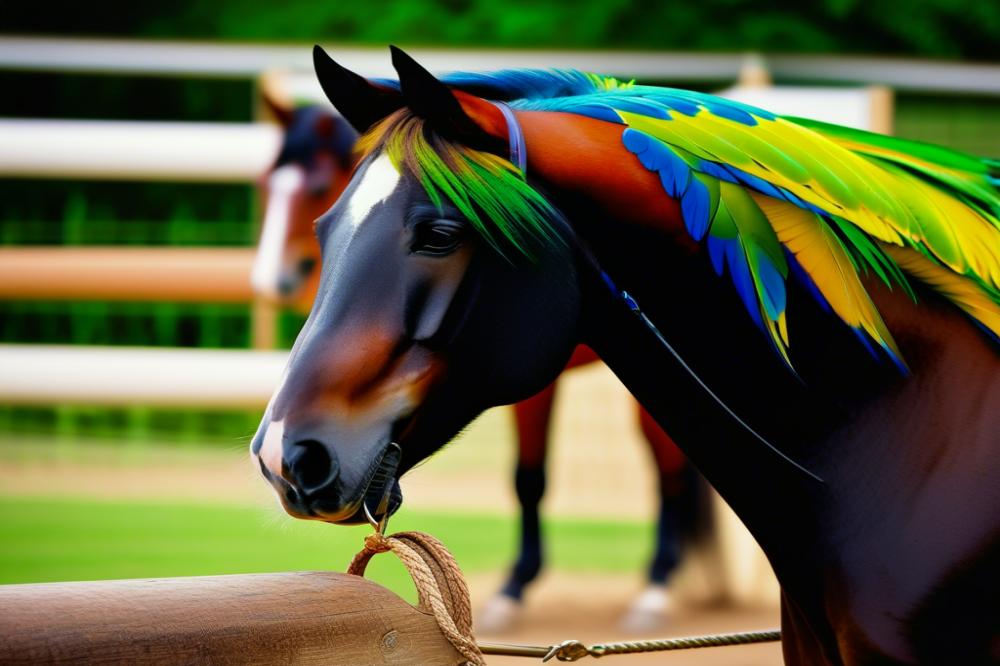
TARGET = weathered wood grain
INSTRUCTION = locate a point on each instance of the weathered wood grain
(286, 618)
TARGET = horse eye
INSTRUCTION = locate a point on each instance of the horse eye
(436, 239)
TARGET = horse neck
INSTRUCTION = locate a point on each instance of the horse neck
(872, 434)
(702, 318)
(761, 484)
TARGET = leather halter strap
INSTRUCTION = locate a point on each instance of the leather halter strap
(515, 137)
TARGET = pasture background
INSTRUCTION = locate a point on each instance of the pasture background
(90, 493)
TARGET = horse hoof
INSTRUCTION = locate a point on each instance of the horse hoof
(498, 615)
(649, 612)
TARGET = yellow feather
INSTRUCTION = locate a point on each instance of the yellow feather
(825, 259)
(963, 239)
(960, 290)
(879, 151)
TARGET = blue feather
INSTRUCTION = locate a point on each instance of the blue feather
(740, 272)
(896, 360)
(717, 253)
(758, 184)
(674, 175)
(680, 106)
(656, 156)
(722, 107)
(774, 288)
(642, 107)
(866, 343)
(731, 174)
(716, 171)
(637, 143)
(694, 207)
(598, 112)
(510, 84)
(730, 112)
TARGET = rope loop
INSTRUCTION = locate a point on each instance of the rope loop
(443, 593)
(439, 581)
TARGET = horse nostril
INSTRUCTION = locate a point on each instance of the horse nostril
(311, 465)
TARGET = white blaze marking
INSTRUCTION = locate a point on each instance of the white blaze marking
(271, 449)
(379, 181)
(284, 184)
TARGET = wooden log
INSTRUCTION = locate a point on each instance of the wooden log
(285, 618)
(127, 274)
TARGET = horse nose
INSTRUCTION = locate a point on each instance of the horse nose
(311, 465)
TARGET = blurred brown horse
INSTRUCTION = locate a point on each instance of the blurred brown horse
(311, 171)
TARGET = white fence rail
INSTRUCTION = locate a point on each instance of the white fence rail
(220, 152)
(241, 152)
(122, 376)
(244, 60)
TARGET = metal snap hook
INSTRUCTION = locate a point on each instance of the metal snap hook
(377, 525)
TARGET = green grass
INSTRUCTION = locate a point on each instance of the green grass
(51, 540)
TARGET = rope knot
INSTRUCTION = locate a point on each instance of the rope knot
(567, 651)
(377, 543)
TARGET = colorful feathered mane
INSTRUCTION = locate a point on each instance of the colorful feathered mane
(769, 195)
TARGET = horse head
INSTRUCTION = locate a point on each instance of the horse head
(311, 170)
(447, 286)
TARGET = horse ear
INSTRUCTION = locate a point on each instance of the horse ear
(433, 101)
(359, 101)
(275, 96)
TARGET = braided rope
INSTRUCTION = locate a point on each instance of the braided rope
(663, 644)
(443, 592)
(439, 582)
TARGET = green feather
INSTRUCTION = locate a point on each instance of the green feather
(869, 256)
(945, 157)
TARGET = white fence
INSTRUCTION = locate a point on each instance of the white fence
(243, 60)
(223, 152)
(241, 152)
(76, 374)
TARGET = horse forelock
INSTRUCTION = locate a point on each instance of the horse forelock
(487, 189)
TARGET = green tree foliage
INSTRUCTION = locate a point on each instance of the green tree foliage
(968, 29)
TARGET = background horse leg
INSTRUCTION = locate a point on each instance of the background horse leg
(533, 416)
(677, 498)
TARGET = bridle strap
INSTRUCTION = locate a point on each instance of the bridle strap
(519, 158)
(515, 138)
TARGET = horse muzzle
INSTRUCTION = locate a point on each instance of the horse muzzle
(307, 477)
(380, 494)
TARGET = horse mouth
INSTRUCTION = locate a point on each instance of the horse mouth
(381, 495)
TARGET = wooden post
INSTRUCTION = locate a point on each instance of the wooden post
(300, 618)
(263, 324)
(754, 72)
(882, 109)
